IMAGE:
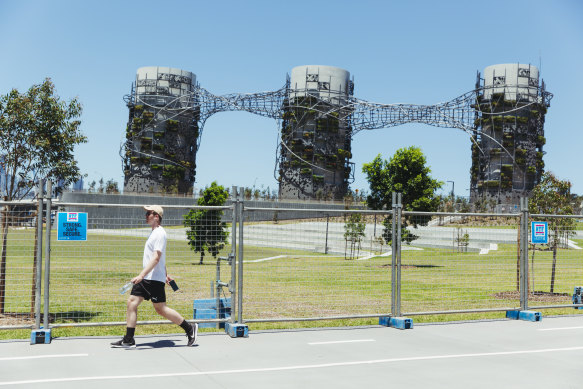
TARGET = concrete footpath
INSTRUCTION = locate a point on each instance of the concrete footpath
(483, 354)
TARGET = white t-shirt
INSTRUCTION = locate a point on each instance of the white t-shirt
(156, 242)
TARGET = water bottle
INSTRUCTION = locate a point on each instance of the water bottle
(126, 287)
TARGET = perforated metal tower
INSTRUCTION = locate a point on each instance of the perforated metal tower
(315, 149)
(507, 159)
(162, 131)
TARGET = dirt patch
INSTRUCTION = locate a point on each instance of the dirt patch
(547, 297)
(16, 319)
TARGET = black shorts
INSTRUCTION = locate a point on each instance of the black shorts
(150, 290)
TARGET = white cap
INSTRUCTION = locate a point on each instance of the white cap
(155, 208)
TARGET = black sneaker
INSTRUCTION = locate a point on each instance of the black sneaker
(124, 344)
(193, 335)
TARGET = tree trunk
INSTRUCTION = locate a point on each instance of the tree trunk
(5, 214)
(345, 247)
(201, 257)
(554, 267)
(531, 272)
(33, 290)
(518, 261)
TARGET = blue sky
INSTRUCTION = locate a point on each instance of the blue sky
(420, 52)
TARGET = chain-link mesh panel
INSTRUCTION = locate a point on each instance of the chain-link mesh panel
(86, 276)
(316, 265)
(18, 232)
(555, 268)
(298, 264)
(460, 262)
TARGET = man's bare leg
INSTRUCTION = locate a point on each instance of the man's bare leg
(132, 310)
(164, 310)
(170, 314)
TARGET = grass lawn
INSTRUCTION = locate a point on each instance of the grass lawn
(86, 276)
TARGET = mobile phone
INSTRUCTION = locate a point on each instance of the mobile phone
(173, 285)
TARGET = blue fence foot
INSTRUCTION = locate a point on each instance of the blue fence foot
(402, 323)
(524, 315)
(40, 336)
(236, 330)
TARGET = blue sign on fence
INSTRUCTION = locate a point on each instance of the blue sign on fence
(72, 226)
(539, 232)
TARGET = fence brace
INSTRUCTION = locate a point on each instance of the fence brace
(524, 216)
(237, 329)
(39, 254)
(49, 195)
(524, 313)
(41, 335)
(395, 320)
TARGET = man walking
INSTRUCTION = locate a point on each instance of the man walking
(150, 283)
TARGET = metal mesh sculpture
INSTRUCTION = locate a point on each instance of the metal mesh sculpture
(314, 151)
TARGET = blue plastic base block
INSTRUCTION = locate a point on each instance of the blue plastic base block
(524, 315)
(201, 314)
(212, 303)
(402, 323)
(578, 296)
(236, 330)
(40, 336)
(207, 309)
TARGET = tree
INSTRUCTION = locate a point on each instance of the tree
(38, 134)
(248, 193)
(111, 187)
(204, 229)
(408, 174)
(552, 196)
(354, 232)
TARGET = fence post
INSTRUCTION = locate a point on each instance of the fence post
(399, 211)
(240, 262)
(238, 329)
(39, 251)
(524, 216)
(49, 195)
(233, 283)
(394, 256)
(395, 320)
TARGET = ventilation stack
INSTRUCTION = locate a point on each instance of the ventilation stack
(507, 159)
(315, 149)
(162, 132)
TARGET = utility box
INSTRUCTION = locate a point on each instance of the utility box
(40, 336)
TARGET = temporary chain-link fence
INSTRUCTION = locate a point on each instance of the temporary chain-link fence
(458, 262)
(287, 264)
(86, 276)
(322, 265)
(556, 268)
(18, 263)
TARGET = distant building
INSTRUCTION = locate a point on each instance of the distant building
(78, 186)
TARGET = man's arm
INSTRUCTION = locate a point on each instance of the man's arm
(168, 278)
(149, 267)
